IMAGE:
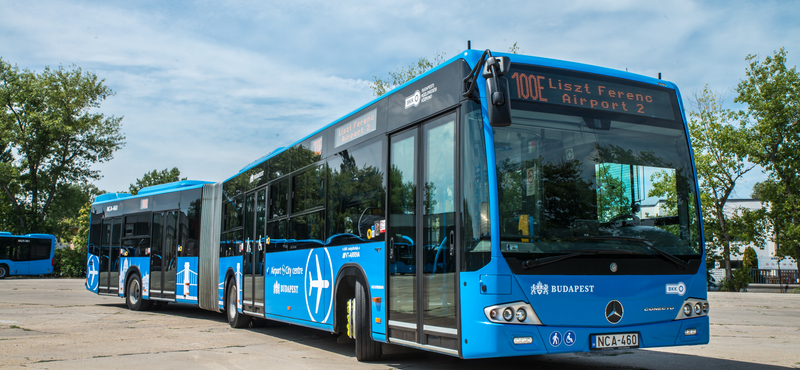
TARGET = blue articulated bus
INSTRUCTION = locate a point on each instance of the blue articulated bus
(489, 207)
(30, 254)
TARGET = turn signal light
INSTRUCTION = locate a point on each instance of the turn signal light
(523, 340)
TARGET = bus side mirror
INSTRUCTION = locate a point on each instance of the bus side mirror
(498, 102)
(498, 97)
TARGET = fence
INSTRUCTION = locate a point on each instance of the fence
(764, 276)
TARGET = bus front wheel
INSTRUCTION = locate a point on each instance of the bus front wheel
(235, 319)
(133, 298)
(3, 271)
(358, 326)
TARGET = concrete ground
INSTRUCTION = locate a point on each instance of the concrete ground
(57, 324)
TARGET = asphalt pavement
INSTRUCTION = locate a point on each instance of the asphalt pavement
(57, 324)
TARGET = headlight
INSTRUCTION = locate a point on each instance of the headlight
(521, 314)
(508, 314)
(693, 308)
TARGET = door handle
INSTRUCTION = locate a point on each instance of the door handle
(452, 243)
(391, 249)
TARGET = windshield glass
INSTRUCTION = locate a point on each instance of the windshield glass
(572, 180)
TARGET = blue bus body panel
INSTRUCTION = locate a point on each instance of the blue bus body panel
(576, 304)
(300, 284)
(31, 267)
(142, 264)
(232, 265)
(186, 280)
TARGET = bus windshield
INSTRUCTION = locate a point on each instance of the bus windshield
(580, 183)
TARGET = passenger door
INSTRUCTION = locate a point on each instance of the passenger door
(423, 292)
(109, 258)
(163, 255)
(255, 243)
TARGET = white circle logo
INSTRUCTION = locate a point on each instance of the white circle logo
(315, 282)
(92, 264)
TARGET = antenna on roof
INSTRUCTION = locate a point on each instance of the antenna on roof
(659, 75)
(469, 44)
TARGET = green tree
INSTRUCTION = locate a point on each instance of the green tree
(771, 92)
(402, 75)
(156, 177)
(50, 136)
(750, 260)
(719, 141)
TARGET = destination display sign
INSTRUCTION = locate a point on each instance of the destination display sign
(544, 86)
(356, 128)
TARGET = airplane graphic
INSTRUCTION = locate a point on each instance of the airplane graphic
(319, 284)
(92, 274)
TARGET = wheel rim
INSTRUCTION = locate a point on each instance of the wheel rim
(3, 271)
(134, 291)
(232, 303)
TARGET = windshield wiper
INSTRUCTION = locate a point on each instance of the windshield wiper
(529, 264)
(667, 256)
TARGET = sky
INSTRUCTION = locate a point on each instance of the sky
(210, 86)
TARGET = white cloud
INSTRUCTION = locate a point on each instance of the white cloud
(210, 86)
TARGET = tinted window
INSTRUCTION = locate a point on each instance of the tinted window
(135, 246)
(475, 190)
(307, 230)
(40, 249)
(95, 233)
(22, 251)
(230, 244)
(6, 248)
(278, 234)
(356, 195)
(307, 190)
(277, 199)
(137, 225)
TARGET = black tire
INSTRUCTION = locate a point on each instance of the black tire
(366, 348)
(3, 271)
(235, 319)
(133, 295)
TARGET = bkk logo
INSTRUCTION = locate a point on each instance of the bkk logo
(413, 100)
(679, 289)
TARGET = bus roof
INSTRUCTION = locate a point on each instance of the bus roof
(153, 190)
(471, 57)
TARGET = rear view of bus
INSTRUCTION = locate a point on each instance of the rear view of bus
(30, 254)
(588, 233)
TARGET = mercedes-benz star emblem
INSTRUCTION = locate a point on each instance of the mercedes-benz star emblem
(614, 312)
(613, 267)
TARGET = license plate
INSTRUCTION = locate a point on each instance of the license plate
(613, 341)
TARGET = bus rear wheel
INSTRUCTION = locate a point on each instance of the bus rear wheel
(358, 326)
(3, 271)
(133, 298)
(235, 319)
